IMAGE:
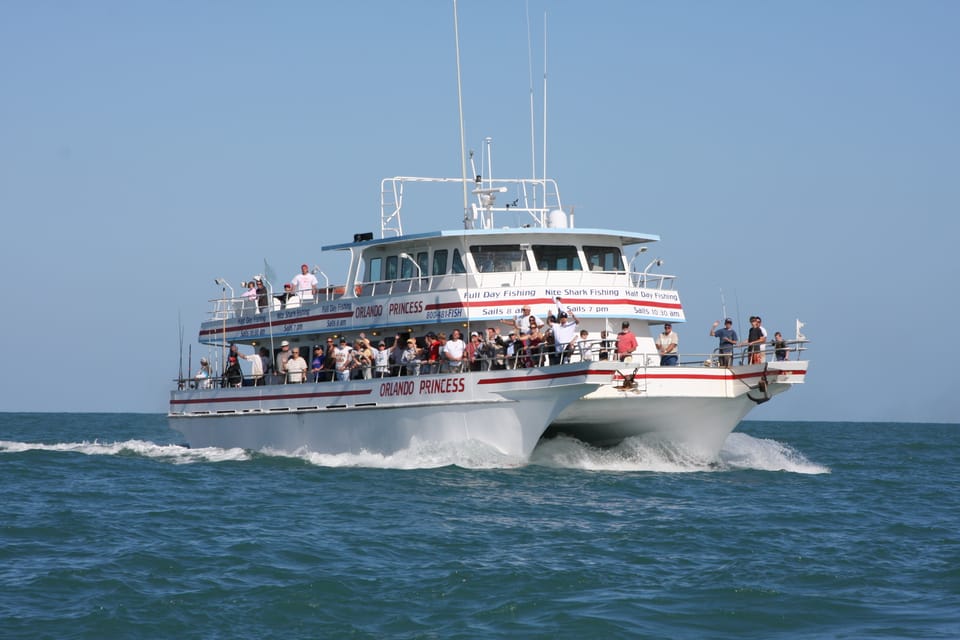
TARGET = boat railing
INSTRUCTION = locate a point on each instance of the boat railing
(539, 356)
(593, 278)
(516, 279)
(791, 350)
(652, 280)
(240, 307)
(496, 202)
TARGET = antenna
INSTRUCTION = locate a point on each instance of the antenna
(533, 141)
(544, 108)
(463, 144)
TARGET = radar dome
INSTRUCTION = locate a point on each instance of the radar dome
(557, 219)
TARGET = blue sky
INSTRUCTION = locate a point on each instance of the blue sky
(802, 157)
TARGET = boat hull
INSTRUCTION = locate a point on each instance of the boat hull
(506, 410)
(691, 408)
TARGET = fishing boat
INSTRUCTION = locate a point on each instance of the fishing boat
(516, 262)
(517, 255)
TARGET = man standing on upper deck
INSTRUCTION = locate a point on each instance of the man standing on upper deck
(305, 284)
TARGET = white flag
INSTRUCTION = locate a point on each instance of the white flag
(800, 336)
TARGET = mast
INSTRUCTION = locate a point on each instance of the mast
(463, 144)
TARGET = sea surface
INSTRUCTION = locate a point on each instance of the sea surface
(110, 528)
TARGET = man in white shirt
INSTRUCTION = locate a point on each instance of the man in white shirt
(305, 284)
(453, 352)
(564, 333)
(343, 355)
(667, 345)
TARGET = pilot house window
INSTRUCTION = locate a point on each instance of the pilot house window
(603, 258)
(492, 258)
(439, 262)
(554, 258)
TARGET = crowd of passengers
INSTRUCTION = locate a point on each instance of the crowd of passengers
(529, 342)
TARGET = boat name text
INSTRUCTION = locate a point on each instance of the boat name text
(425, 387)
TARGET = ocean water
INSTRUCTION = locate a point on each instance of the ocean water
(109, 528)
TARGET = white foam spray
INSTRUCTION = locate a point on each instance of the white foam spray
(174, 453)
(741, 451)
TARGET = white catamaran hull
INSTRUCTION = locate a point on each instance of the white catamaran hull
(507, 410)
(692, 408)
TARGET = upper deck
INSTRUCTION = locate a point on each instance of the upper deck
(525, 252)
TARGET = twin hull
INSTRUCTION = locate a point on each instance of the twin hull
(507, 410)
(693, 409)
(689, 409)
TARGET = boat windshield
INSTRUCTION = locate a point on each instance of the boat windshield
(603, 258)
(554, 258)
(491, 258)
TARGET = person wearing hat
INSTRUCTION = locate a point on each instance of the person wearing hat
(381, 360)
(343, 357)
(316, 365)
(667, 345)
(564, 335)
(287, 297)
(305, 284)
(281, 367)
(474, 351)
(728, 340)
(626, 343)
(524, 320)
(204, 374)
(233, 375)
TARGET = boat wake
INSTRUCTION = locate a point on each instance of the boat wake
(420, 455)
(176, 454)
(740, 452)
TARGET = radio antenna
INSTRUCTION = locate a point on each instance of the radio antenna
(544, 164)
(463, 144)
(533, 141)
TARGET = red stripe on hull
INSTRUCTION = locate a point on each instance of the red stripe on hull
(294, 396)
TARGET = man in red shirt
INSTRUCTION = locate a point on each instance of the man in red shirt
(626, 343)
